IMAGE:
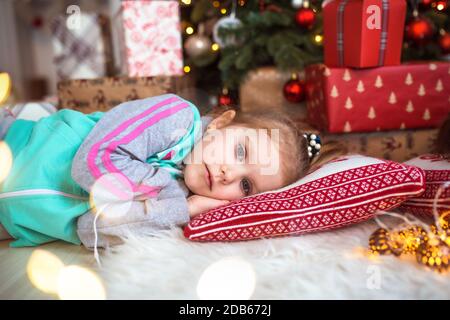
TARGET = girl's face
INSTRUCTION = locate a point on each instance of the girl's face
(232, 161)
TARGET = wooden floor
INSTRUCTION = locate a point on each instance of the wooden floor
(14, 282)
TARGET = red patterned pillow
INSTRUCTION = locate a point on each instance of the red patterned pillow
(344, 191)
(437, 173)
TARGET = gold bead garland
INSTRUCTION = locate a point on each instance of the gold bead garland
(431, 248)
(378, 242)
(434, 256)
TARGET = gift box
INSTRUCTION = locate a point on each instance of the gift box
(399, 145)
(90, 95)
(82, 46)
(263, 89)
(408, 96)
(150, 40)
(363, 33)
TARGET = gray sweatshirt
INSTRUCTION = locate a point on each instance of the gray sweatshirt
(169, 208)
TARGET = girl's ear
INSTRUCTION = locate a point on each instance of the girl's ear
(223, 120)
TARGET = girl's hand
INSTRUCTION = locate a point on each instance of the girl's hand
(198, 204)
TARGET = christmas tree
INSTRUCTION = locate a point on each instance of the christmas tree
(289, 34)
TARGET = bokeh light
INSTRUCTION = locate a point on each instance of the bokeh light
(5, 86)
(189, 30)
(77, 283)
(49, 274)
(6, 160)
(215, 47)
(318, 38)
(440, 5)
(43, 269)
(112, 195)
(228, 278)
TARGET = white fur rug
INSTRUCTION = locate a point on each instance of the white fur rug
(326, 265)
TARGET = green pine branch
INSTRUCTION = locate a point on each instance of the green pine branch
(273, 38)
(267, 38)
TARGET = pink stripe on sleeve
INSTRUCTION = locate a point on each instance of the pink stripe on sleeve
(106, 158)
(93, 153)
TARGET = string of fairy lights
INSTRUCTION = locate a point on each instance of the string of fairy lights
(429, 244)
(196, 42)
(201, 50)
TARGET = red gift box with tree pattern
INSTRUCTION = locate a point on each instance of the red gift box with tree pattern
(407, 96)
(363, 33)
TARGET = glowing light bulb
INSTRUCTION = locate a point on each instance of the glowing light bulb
(318, 38)
(215, 47)
(189, 30)
(440, 6)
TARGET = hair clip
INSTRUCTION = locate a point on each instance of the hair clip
(314, 144)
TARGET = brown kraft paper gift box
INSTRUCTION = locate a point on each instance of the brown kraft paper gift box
(262, 89)
(102, 94)
(397, 145)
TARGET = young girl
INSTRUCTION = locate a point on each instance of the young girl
(58, 161)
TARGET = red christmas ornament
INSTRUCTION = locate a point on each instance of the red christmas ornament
(37, 22)
(444, 43)
(419, 30)
(294, 90)
(225, 98)
(305, 17)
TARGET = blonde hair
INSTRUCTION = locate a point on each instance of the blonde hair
(293, 146)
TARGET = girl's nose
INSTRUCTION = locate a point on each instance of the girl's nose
(225, 174)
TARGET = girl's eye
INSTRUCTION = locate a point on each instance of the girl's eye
(240, 152)
(246, 186)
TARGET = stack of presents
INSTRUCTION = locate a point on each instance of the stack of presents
(103, 61)
(362, 95)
